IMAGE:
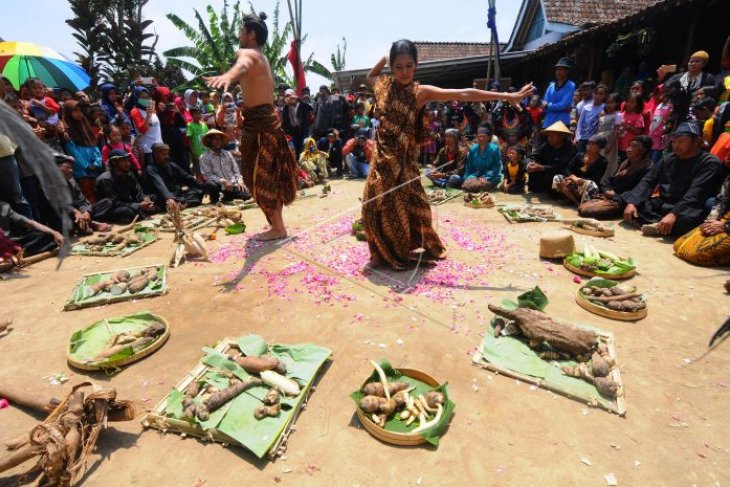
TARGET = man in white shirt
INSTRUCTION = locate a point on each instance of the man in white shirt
(220, 170)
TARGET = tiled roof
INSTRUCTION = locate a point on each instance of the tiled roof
(592, 12)
(439, 51)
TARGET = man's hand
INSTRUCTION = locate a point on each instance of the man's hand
(227, 185)
(146, 205)
(223, 82)
(535, 167)
(712, 227)
(609, 194)
(631, 213)
(514, 99)
(170, 202)
(666, 224)
(58, 238)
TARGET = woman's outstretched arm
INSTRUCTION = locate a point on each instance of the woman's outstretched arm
(375, 72)
(427, 93)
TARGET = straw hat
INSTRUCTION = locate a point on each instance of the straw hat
(210, 133)
(558, 128)
(557, 245)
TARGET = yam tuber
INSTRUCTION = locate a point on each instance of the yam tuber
(376, 388)
(606, 387)
(192, 389)
(262, 412)
(120, 276)
(256, 365)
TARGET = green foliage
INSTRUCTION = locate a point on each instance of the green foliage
(337, 59)
(114, 39)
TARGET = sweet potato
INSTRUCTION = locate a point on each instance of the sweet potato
(256, 365)
(267, 411)
(121, 276)
(215, 401)
(101, 286)
(137, 284)
(376, 388)
(135, 345)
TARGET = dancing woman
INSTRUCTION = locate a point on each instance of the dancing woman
(396, 213)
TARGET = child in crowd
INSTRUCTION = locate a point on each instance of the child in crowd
(658, 128)
(632, 123)
(195, 132)
(515, 170)
(42, 107)
(114, 141)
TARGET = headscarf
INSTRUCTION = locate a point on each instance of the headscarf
(138, 90)
(80, 131)
(162, 94)
(188, 95)
(183, 109)
(307, 153)
(109, 108)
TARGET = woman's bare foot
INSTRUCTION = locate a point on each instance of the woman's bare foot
(271, 235)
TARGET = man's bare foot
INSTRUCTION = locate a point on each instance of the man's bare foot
(271, 235)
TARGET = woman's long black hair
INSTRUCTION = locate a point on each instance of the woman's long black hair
(403, 46)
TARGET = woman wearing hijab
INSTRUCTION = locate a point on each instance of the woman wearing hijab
(111, 102)
(146, 122)
(172, 127)
(81, 145)
(190, 97)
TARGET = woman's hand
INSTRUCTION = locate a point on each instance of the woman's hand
(712, 227)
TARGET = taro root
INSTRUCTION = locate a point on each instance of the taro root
(599, 366)
(606, 387)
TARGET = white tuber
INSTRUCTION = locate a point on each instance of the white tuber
(433, 422)
(383, 379)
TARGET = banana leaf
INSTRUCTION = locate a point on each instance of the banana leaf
(89, 342)
(236, 419)
(147, 235)
(81, 295)
(394, 424)
(513, 353)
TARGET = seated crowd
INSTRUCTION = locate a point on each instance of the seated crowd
(656, 155)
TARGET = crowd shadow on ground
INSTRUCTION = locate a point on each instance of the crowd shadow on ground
(255, 250)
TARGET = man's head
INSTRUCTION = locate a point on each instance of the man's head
(697, 62)
(703, 109)
(596, 144)
(556, 134)
(306, 93)
(586, 89)
(686, 140)
(290, 97)
(562, 69)
(195, 113)
(215, 140)
(639, 147)
(119, 162)
(65, 165)
(81, 97)
(254, 31)
(161, 153)
(324, 92)
(361, 136)
(332, 135)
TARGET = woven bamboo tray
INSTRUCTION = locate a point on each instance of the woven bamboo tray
(581, 272)
(586, 304)
(124, 251)
(401, 439)
(149, 350)
(605, 338)
(71, 304)
(158, 419)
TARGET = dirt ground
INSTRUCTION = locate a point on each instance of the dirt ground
(504, 432)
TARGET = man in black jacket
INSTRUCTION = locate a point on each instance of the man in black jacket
(550, 159)
(295, 119)
(671, 198)
(81, 210)
(332, 145)
(168, 182)
(124, 192)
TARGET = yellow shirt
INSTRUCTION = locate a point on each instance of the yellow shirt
(514, 170)
(7, 148)
(707, 129)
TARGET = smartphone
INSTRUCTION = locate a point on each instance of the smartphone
(671, 68)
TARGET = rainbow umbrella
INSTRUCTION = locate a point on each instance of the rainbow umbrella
(22, 60)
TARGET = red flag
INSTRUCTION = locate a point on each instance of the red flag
(297, 66)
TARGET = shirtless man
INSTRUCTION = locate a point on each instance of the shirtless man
(269, 168)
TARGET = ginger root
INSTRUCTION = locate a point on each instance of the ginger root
(376, 388)
(267, 411)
